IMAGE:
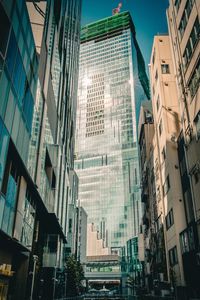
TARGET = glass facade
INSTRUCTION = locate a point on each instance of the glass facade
(51, 155)
(18, 77)
(18, 74)
(37, 124)
(134, 265)
(4, 141)
(28, 214)
(111, 87)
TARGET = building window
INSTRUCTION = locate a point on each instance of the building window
(28, 221)
(153, 89)
(153, 58)
(4, 142)
(177, 5)
(195, 33)
(173, 257)
(158, 103)
(188, 7)
(156, 76)
(158, 196)
(166, 186)
(70, 226)
(188, 205)
(9, 192)
(160, 128)
(182, 26)
(187, 240)
(185, 17)
(4, 31)
(169, 219)
(192, 41)
(196, 177)
(187, 53)
(165, 69)
(195, 80)
(197, 125)
(184, 242)
(163, 154)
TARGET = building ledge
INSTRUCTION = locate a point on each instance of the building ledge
(8, 242)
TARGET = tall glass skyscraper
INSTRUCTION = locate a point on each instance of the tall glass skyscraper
(112, 85)
(39, 53)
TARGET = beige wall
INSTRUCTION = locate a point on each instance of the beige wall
(178, 47)
(168, 113)
(95, 246)
(186, 102)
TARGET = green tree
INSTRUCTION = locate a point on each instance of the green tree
(74, 276)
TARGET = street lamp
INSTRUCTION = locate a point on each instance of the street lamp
(35, 259)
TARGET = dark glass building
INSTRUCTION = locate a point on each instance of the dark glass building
(18, 80)
(39, 47)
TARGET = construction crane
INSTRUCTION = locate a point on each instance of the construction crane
(117, 9)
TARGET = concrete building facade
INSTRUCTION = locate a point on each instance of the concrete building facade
(165, 218)
(150, 255)
(167, 125)
(184, 31)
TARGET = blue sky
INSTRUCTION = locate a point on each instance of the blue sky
(149, 17)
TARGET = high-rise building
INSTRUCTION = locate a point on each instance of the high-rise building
(56, 30)
(148, 197)
(170, 229)
(184, 31)
(39, 51)
(112, 85)
(18, 195)
(168, 202)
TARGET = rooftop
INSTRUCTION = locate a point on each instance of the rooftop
(106, 26)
